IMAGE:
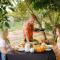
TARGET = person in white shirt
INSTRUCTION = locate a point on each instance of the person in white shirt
(4, 48)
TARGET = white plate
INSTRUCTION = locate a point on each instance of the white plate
(50, 46)
(48, 49)
(21, 49)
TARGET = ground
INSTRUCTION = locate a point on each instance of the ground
(16, 36)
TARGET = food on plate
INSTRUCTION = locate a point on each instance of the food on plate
(39, 48)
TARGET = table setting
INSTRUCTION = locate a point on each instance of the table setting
(32, 51)
(34, 46)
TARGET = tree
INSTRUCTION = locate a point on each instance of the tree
(51, 14)
(52, 18)
(23, 9)
(44, 8)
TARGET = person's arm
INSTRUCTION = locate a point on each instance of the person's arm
(27, 39)
(26, 28)
(3, 50)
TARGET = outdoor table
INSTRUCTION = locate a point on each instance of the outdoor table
(47, 55)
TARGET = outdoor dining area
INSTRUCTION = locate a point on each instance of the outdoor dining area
(29, 29)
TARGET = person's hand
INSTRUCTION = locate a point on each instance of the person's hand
(4, 50)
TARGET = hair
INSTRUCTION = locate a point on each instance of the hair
(34, 16)
(57, 27)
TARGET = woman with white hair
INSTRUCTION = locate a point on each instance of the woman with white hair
(28, 29)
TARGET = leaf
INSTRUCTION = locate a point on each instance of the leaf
(48, 27)
(0, 10)
(7, 24)
(11, 8)
(0, 25)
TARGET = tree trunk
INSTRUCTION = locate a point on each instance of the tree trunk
(45, 38)
(54, 34)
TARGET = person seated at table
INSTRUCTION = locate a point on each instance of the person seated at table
(58, 36)
(4, 48)
(28, 29)
(56, 47)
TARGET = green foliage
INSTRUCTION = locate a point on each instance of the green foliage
(21, 8)
(4, 22)
(41, 8)
(5, 2)
(37, 4)
(21, 11)
(3, 18)
(48, 27)
(47, 11)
